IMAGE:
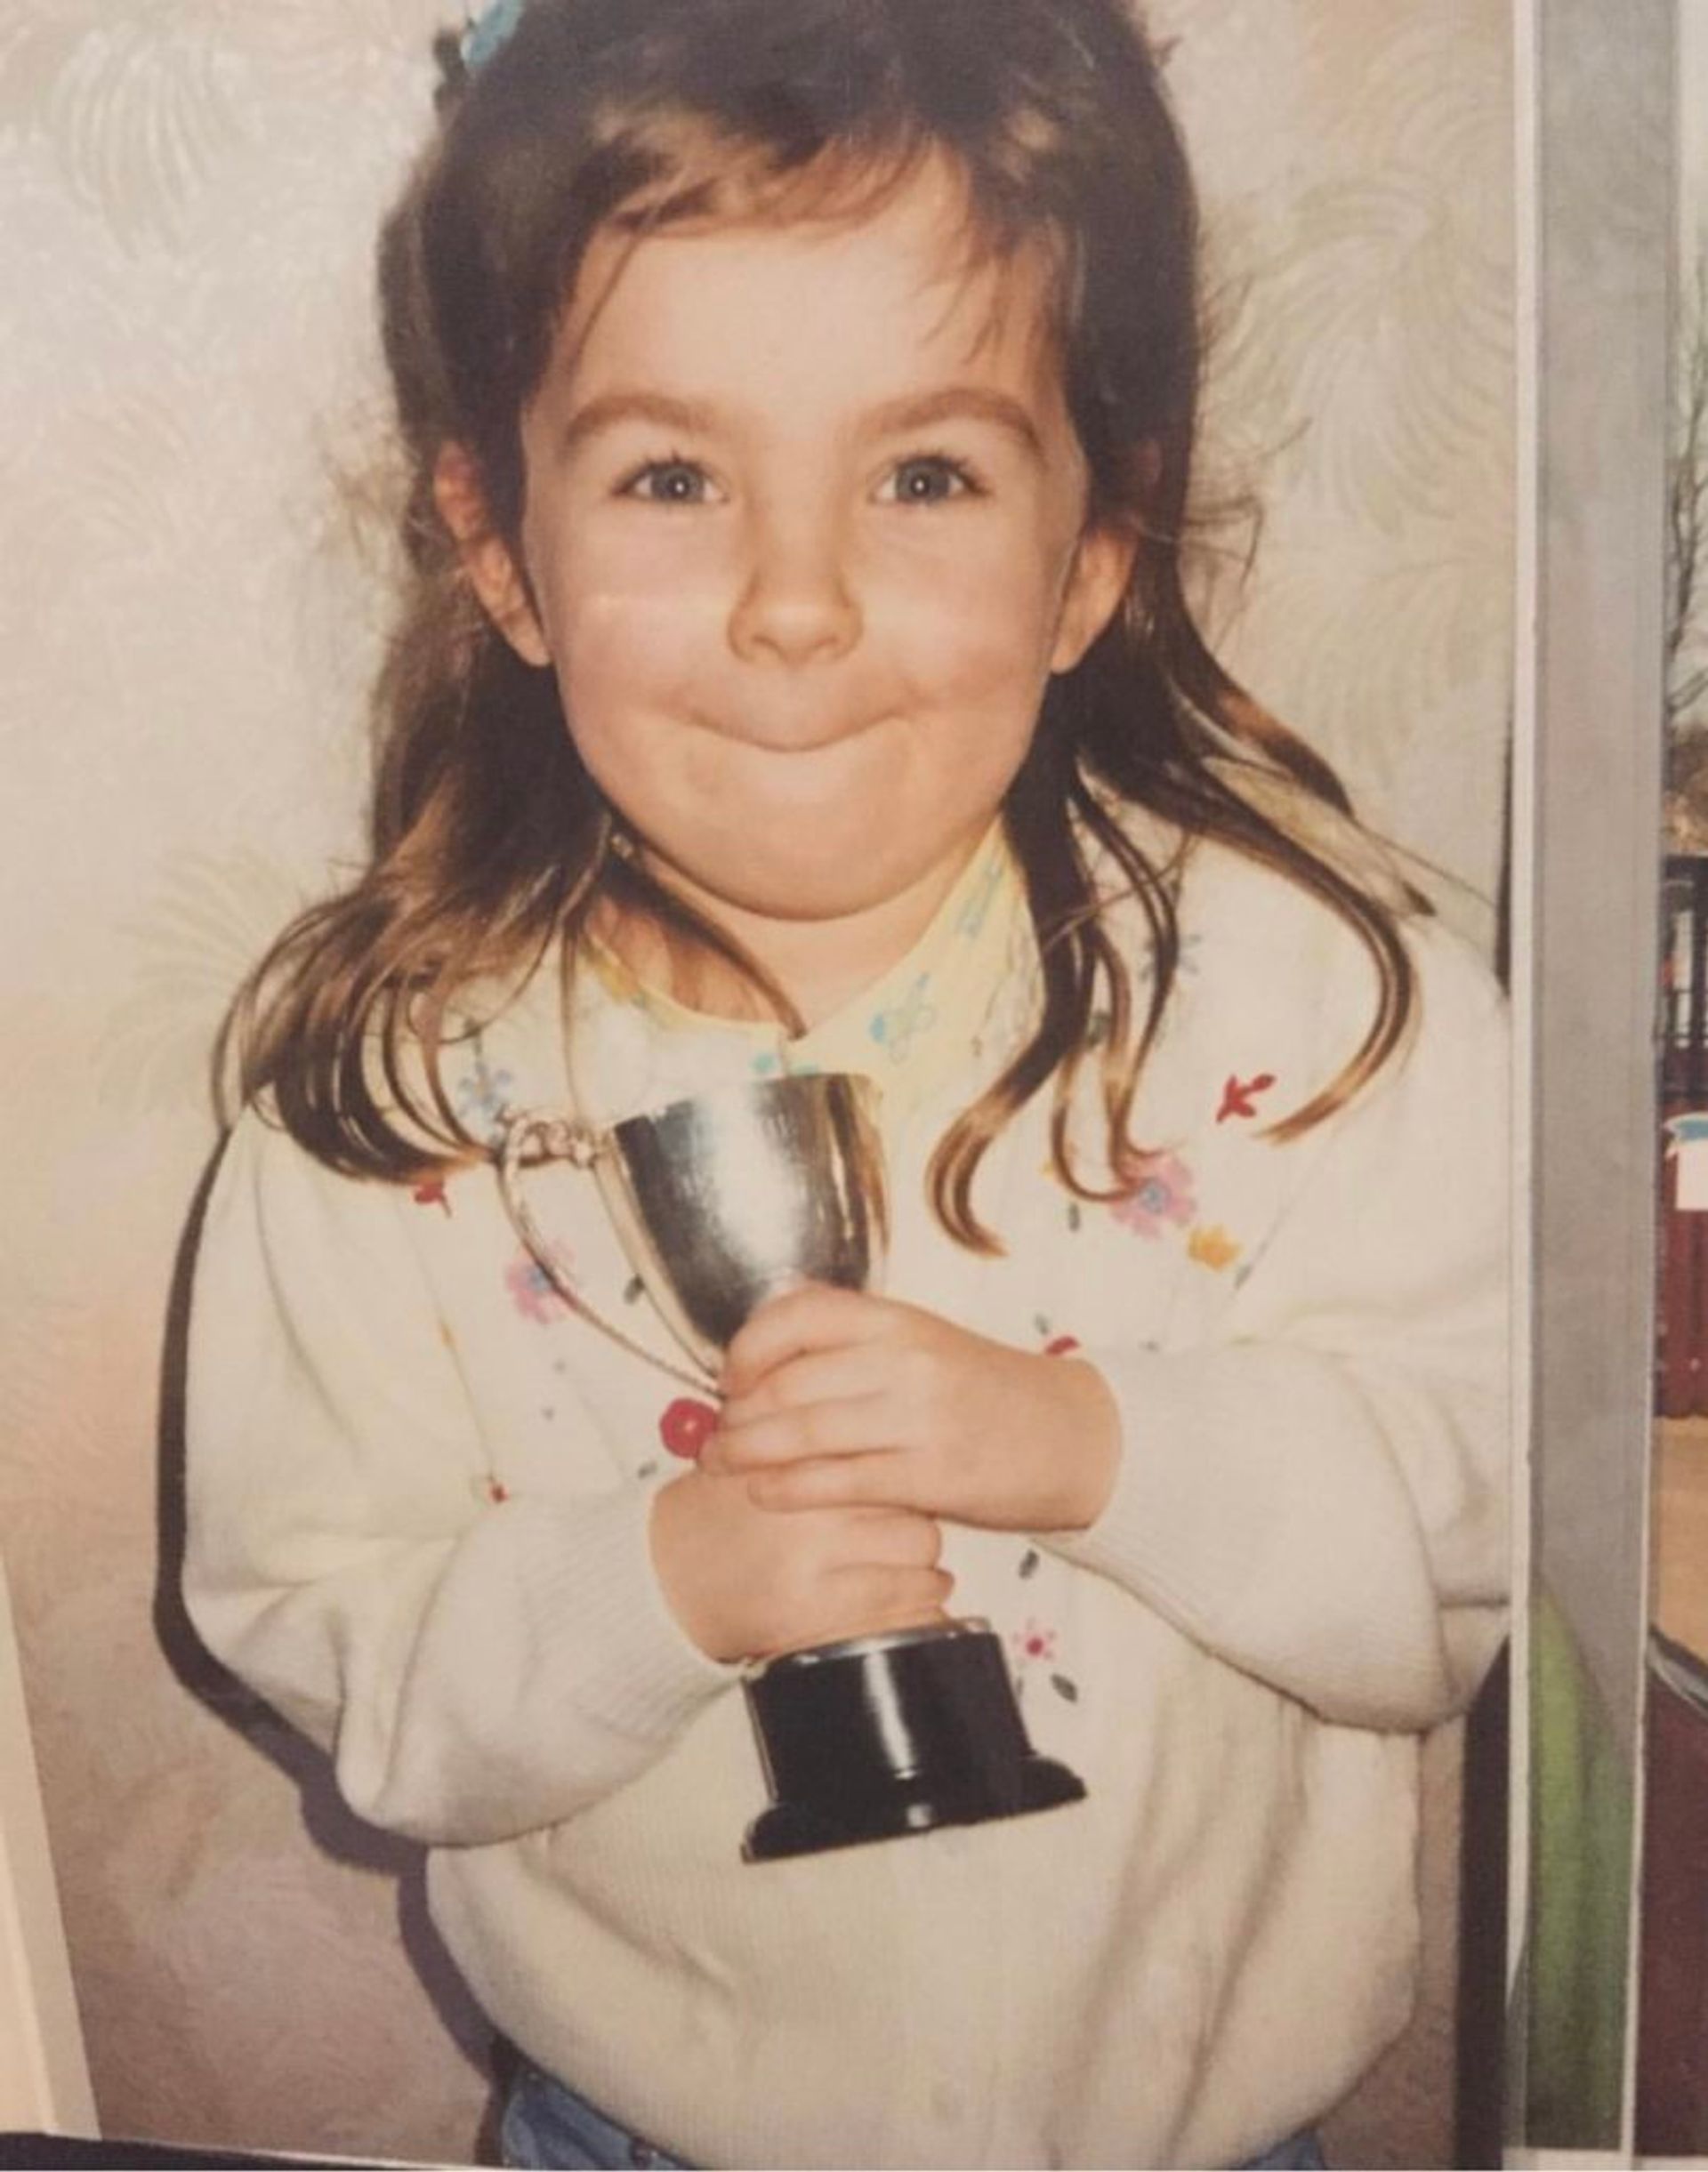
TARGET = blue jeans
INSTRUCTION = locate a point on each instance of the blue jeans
(546, 2125)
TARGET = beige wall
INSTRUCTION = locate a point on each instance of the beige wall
(187, 193)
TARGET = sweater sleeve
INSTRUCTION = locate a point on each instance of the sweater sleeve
(477, 1668)
(1320, 1497)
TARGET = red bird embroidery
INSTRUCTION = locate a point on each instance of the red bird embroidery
(1238, 1095)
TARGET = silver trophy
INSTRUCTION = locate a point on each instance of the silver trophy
(722, 1202)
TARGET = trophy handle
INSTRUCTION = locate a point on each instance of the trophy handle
(539, 1135)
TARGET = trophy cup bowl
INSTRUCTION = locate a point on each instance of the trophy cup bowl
(722, 1202)
(734, 1196)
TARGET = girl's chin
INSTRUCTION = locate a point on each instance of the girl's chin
(836, 861)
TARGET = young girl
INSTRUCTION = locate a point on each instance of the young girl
(796, 675)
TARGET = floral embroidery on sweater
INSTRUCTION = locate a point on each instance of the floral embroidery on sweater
(686, 1426)
(532, 1291)
(1210, 1246)
(1189, 960)
(1033, 1649)
(1033, 1646)
(483, 1097)
(1163, 1196)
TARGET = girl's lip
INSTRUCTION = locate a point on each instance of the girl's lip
(810, 735)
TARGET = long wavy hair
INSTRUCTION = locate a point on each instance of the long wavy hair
(490, 842)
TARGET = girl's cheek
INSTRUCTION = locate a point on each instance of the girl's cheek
(967, 631)
(613, 632)
(957, 624)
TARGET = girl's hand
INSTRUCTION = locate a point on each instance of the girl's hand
(747, 1583)
(834, 1398)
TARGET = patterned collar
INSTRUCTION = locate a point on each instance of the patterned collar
(631, 1046)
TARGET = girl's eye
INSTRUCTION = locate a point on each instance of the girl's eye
(931, 478)
(669, 482)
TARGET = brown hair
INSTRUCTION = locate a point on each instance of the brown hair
(490, 842)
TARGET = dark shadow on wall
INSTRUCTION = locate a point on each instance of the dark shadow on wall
(331, 1825)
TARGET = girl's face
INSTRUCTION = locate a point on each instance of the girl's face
(804, 538)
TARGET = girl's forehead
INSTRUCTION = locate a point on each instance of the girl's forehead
(912, 249)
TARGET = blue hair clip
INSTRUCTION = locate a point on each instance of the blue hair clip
(489, 31)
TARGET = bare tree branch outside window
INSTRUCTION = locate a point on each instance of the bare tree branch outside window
(1686, 573)
(1686, 623)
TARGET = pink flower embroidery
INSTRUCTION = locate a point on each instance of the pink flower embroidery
(432, 1194)
(1163, 1195)
(532, 1291)
(1061, 1346)
(687, 1426)
(1033, 1643)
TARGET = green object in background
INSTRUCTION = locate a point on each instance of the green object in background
(1581, 1809)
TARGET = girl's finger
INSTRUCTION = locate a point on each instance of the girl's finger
(880, 1479)
(853, 1425)
(816, 1316)
(897, 1538)
(839, 1375)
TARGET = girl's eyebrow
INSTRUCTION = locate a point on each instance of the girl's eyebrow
(976, 403)
(609, 408)
(914, 411)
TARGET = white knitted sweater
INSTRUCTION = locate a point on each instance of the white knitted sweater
(419, 1491)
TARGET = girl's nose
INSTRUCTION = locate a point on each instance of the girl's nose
(796, 606)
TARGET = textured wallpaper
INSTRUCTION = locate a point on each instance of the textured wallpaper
(188, 619)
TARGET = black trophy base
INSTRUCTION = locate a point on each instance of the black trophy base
(882, 1736)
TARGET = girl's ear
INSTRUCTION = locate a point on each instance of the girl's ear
(495, 576)
(1096, 583)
